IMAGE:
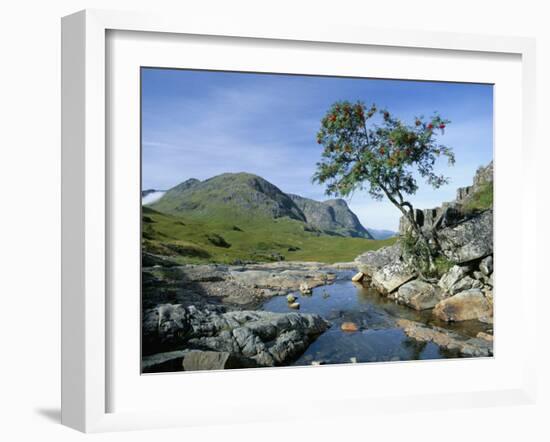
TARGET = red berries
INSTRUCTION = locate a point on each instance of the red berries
(332, 117)
(430, 126)
(442, 126)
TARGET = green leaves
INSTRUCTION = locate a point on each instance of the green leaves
(372, 149)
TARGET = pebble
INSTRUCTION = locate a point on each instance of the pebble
(349, 327)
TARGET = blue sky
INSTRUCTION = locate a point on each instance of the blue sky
(198, 124)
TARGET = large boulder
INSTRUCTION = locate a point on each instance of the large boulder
(419, 295)
(469, 240)
(466, 305)
(392, 276)
(369, 262)
(257, 337)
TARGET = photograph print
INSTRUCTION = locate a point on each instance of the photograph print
(300, 220)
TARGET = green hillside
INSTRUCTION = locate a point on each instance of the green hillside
(228, 194)
(228, 237)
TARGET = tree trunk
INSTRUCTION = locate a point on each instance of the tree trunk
(420, 235)
(409, 214)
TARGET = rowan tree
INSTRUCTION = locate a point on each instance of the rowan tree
(370, 149)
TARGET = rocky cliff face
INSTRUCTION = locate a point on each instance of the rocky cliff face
(331, 216)
(453, 212)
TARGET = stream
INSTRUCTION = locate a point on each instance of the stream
(377, 339)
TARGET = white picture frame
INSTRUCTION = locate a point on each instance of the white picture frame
(86, 315)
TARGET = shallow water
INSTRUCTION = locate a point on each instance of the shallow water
(378, 339)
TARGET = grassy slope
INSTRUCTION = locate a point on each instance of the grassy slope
(482, 199)
(192, 240)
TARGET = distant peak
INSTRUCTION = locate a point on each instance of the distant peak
(186, 184)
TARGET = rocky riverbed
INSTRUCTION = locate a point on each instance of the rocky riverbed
(205, 317)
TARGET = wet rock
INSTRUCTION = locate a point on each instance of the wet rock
(469, 304)
(305, 288)
(470, 240)
(294, 305)
(349, 327)
(446, 339)
(358, 277)
(419, 295)
(486, 265)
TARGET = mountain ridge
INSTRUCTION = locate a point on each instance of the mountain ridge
(241, 194)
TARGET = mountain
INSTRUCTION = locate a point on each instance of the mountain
(381, 233)
(233, 196)
(331, 216)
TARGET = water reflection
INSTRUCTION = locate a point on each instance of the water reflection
(377, 338)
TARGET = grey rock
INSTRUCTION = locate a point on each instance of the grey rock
(486, 265)
(479, 276)
(371, 261)
(448, 214)
(465, 283)
(281, 278)
(419, 295)
(265, 338)
(469, 240)
(483, 175)
(453, 275)
(392, 276)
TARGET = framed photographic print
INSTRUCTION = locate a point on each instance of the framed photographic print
(250, 211)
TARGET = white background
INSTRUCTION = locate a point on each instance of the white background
(29, 221)
(131, 392)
